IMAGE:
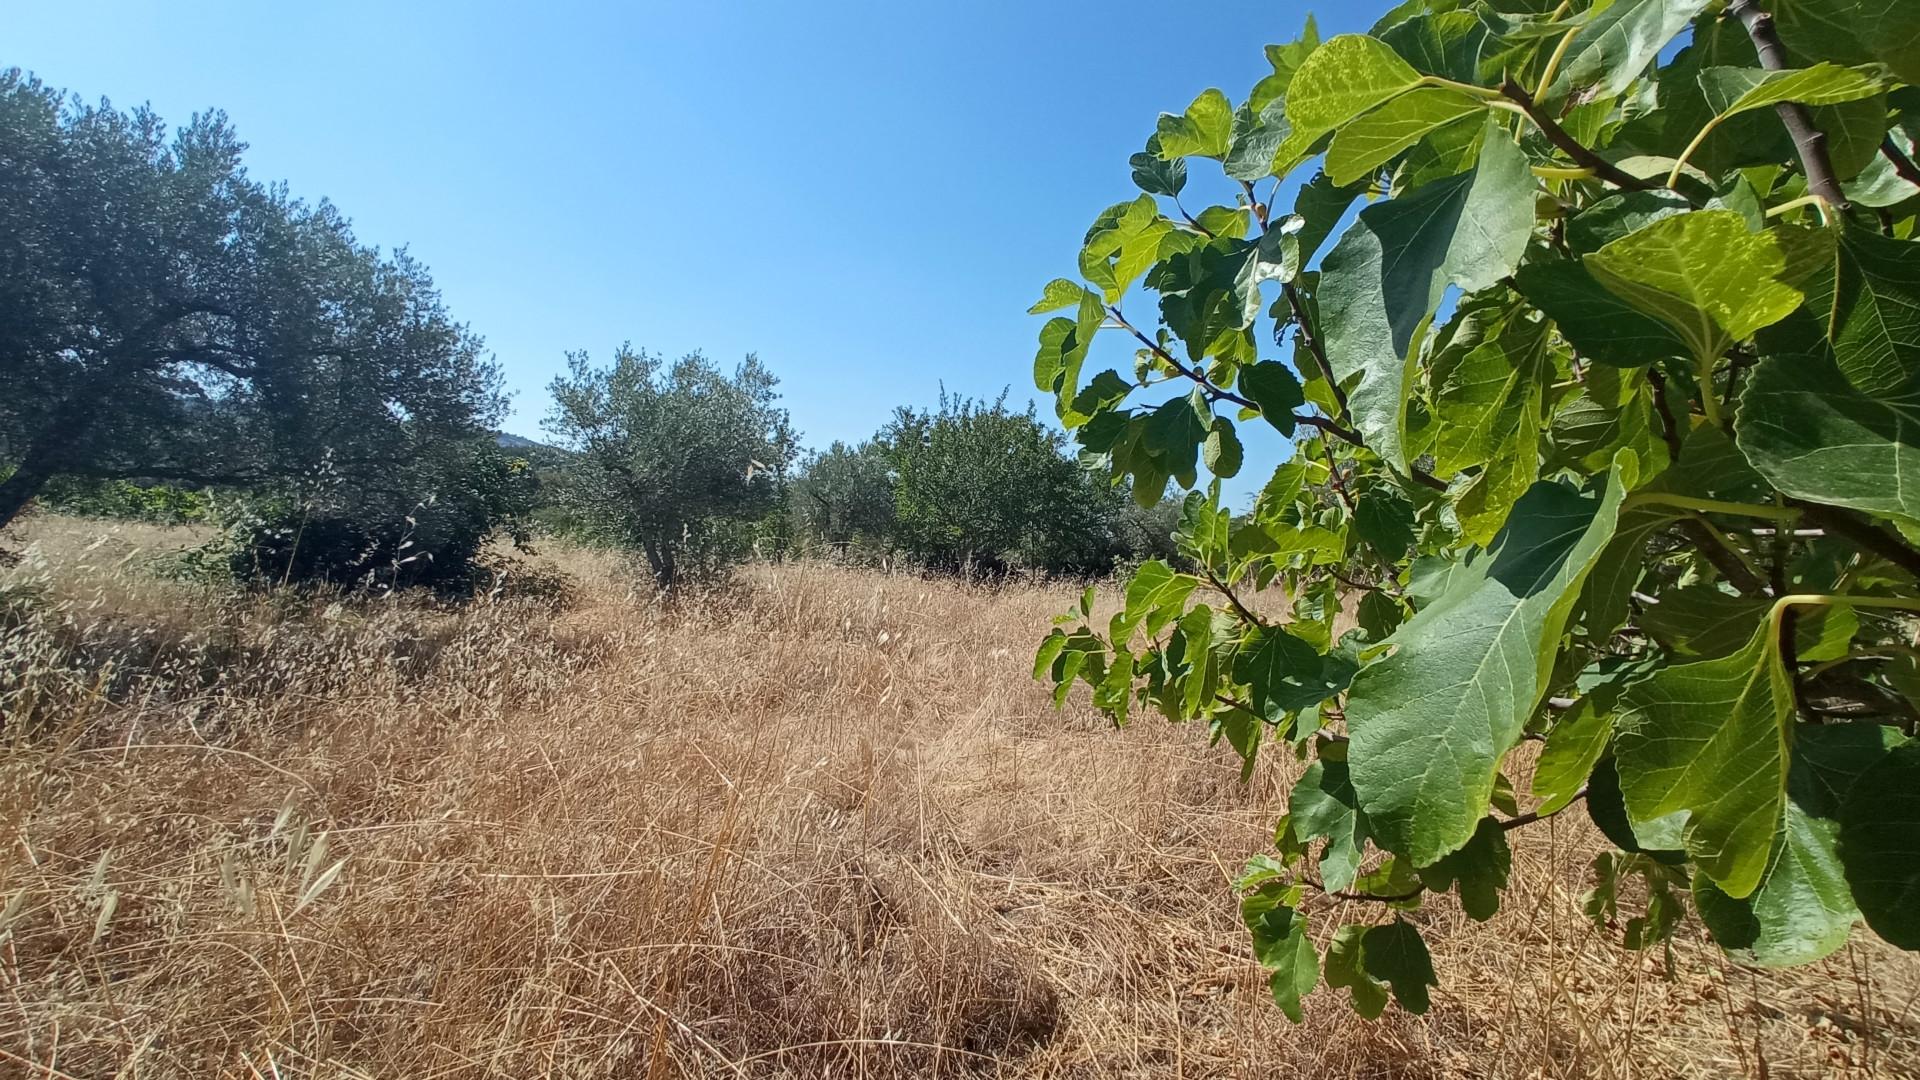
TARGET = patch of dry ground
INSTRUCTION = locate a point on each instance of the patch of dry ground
(822, 824)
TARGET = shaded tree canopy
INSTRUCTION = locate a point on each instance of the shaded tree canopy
(165, 316)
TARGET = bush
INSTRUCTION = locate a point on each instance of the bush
(161, 504)
(981, 488)
(428, 532)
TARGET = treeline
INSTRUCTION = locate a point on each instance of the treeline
(697, 469)
(179, 341)
(972, 487)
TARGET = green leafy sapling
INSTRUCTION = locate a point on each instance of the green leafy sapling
(1603, 408)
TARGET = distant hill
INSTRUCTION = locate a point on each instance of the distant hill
(506, 440)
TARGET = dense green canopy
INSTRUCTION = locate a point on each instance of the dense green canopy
(165, 316)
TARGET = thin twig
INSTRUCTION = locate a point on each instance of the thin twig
(1579, 152)
(1669, 427)
(1213, 390)
(1232, 598)
(1314, 348)
(1720, 552)
(1334, 478)
(1260, 209)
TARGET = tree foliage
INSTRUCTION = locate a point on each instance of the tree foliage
(842, 498)
(982, 487)
(1602, 396)
(165, 317)
(973, 487)
(674, 460)
(422, 523)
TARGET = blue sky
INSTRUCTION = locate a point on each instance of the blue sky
(868, 195)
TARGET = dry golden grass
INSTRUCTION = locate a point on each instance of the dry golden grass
(821, 824)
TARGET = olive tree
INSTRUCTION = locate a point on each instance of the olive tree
(1604, 328)
(164, 316)
(843, 497)
(670, 459)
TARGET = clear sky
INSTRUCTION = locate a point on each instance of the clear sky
(868, 195)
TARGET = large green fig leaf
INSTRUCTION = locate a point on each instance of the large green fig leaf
(1880, 845)
(1610, 51)
(1731, 90)
(1281, 945)
(1804, 908)
(1204, 130)
(1710, 738)
(1381, 283)
(1705, 274)
(1597, 323)
(1362, 147)
(1430, 723)
(1324, 807)
(1870, 307)
(1813, 436)
(1488, 401)
(1342, 79)
(1578, 739)
(1801, 911)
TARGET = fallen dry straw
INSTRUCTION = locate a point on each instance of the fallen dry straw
(819, 824)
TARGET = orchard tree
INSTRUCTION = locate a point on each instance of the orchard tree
(1604, 410)
(980, 486)
(843, 496)
(675, 461)
(165, 317)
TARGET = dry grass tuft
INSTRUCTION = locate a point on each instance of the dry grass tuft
(820, 825)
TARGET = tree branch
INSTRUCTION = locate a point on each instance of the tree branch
(1314, 348)
(1558, 136)
(1214, 392)
(1233, 599)
(1809, 141)
(1361, 585)
(1669, 427)
(1864, 533)
(1217, 393)
(1190, 219)
(1334, 478)
(1903, 165)
(1719, 551)
(1260, 209)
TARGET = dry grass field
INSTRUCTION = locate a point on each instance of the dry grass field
(818, 824)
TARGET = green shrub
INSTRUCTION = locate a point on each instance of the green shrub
(161, 504)
(423, 528)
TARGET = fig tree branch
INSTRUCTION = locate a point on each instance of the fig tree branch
(1574, 148)
(1808, 140)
